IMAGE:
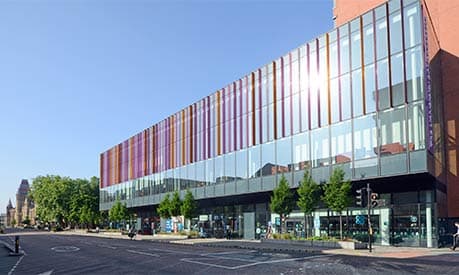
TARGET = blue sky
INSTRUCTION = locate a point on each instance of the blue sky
(77, 77)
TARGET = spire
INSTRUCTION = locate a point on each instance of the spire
(10, 205)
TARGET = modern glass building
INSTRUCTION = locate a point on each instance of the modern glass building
(360, 97)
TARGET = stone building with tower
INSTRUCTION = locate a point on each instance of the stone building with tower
(25, 207)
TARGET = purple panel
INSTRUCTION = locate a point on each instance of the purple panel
(234, 117)
(223, 110)
(208, 128)
(260, 124)
(282, 97)
(240, 115)
(291, 91)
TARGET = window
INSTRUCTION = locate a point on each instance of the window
(370, 91)
(414, 74)
(381, 38)
(268, 159)
(254, 162)
(356, 50)
(241, 164)
(341, 142)
(284, 155)
(357, 100)
(395, 32)
(320, 147)
(301, 158)
(383, 85)
(369, 45)
(398, 91)
(365, 137)
(345, 96)
(412, 22)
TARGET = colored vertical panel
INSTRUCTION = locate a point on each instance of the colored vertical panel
(131, 158)
(241, 116)
(282, 96)
(362, 60)
(208, 128)
(234, 117)
(218, 110)
(195, 131)
(183, 137)
(191, 135)
(327, 37)
(253, 108)
(275, 99)
(389, 54)
(290, 85)
(145, 152)
(260, 123)
(101, 170)
(317, 91)
(376, 63)
(204, 129)
(223, 122)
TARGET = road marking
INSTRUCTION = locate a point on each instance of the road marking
(106, 246)
(195, 260)
(225, 253)
(15, 266)
(143, 253)
(65, 249)
(47, 272)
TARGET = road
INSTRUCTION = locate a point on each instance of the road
(66, 254)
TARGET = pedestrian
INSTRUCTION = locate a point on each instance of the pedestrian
(455, 236)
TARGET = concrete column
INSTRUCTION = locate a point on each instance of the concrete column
(384, 223)
(429, 219)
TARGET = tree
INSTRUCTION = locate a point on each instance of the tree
(26, 221)
(164, 208)
(282, 201)
(84, 205)
(175, 204)
(52, 195)
(308, 193)
(13, 222)
(118, 212)
(337, 195)
(189, 206)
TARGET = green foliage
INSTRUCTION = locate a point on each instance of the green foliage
(175, 204)
(66, 201)
(26, 221)
(164, 208)
(337, 192)
(13, 222)
(118, 212)
(189, 205)
(308, 193)
(282, 201)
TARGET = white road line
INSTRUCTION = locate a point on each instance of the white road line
(282, 260)
(47, 273)
(106, 246)
(15, 266)
(225, 253)
(195, 260)
(143, 253)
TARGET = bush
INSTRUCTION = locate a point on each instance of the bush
(276, 236)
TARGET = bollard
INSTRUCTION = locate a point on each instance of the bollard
(16, 244)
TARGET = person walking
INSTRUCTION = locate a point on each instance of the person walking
(455, 237)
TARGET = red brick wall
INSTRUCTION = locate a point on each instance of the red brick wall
(345, 10)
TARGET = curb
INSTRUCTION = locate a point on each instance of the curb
(11, 249)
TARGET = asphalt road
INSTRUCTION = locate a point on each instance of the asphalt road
(64, 254)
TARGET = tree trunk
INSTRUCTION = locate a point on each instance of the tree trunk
(306, 226)
(340, 226)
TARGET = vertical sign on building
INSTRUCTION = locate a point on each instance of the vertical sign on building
(428, 90)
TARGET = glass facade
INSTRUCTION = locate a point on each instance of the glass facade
(352, 97)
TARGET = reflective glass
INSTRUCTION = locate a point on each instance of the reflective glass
(414, 74)
(314, 87)
(323, 86)
(210, 171)
(320, 147)
(284, 155)
(200, 174)
(341, 142)
(271, 122)
(398, 92)
(288, 118)
(241, 164)
(370, 89)
(344, 54)
(365, 137)
(356, 50)
(416, 126)
(333, 59)
(368, 44)
(254, 162)
(304, 110)
(334, 98)
(412, 21)
(381, 38)
(395, 29)
(296, 113)
(301, 158)
(230, 169)
(393, 134)
(219, 169)
(268, 159)
(357, 100)
(345, 97)
(383, 84)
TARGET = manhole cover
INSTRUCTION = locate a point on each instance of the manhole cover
(65, 249)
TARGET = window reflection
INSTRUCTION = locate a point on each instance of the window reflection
(320, 147)
(301, 158)
(341, 142)
(365, 137)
